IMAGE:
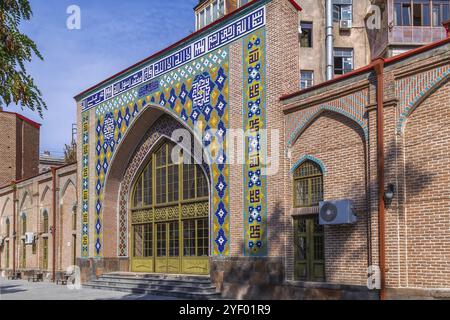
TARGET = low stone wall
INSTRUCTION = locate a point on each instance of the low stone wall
(93, 268)
(263, 279)
(417, 294)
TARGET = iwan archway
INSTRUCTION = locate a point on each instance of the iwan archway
(169, 214)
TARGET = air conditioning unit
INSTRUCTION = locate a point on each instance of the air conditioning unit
(336, 212)
(29, 238)
(345, 24)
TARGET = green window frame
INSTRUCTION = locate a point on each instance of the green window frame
(45, 253)
(24, 223)
(24, 255)
(74, 220)
(8, 227)
(178, 190)
(308, 185)
(7, 254)
(45, 221)
(163, 182)
(195, 238)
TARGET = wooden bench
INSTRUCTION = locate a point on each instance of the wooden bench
(63, 280)
(15, 276)
(38, 277)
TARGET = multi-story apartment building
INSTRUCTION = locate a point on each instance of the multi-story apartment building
(407, 24)
(353, 41)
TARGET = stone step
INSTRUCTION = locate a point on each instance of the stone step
(175, 294)
(202, 283)
(178, 286)
(157, 276)
(154, 286)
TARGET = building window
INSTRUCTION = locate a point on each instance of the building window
(441, 12)
(45, 221)
(306, 35)
(8, 227)
(343, 60)
(24, 224)
(243, 2)
(306, 79)
(165, 176)
(170, 210)
(45, 253)
(421, 12)
(24, 255)
(74, 249)
(7, 254)
(201, 19)
(221, 8)
(210, 13)
(74, 220)
(308, 185)
(342, 10)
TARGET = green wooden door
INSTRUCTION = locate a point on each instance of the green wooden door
(309, 258)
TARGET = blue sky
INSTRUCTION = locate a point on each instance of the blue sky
(114, 35)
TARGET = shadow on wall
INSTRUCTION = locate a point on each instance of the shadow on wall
(257, 277)
(423, 178)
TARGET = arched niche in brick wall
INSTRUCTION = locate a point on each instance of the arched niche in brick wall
(419, 100)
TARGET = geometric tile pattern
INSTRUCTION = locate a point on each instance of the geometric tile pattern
(410, 91)
(352, 106)
(85, 187)
(255, 181)
(197, 95)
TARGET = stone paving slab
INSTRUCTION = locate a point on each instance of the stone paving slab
(24, 290)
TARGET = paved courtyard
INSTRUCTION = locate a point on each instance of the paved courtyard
(24, 290)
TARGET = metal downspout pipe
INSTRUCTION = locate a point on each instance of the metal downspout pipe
(329, 39)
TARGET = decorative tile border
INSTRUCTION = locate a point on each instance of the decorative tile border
(352, 106)
(85, 187)
(224, 36)
(411, 90)
(255, 183)
(309, 158)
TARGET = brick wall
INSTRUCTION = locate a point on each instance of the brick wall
(344, 160)
(34, 196)
(7, 148)
(30, 150)
(19, 148)
(416, 128)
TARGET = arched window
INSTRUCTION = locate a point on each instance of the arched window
(159, 182)
(8, 226)
(24, 223)
(308, 185)
(45, 221)
(74, 216)
(169, 216)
